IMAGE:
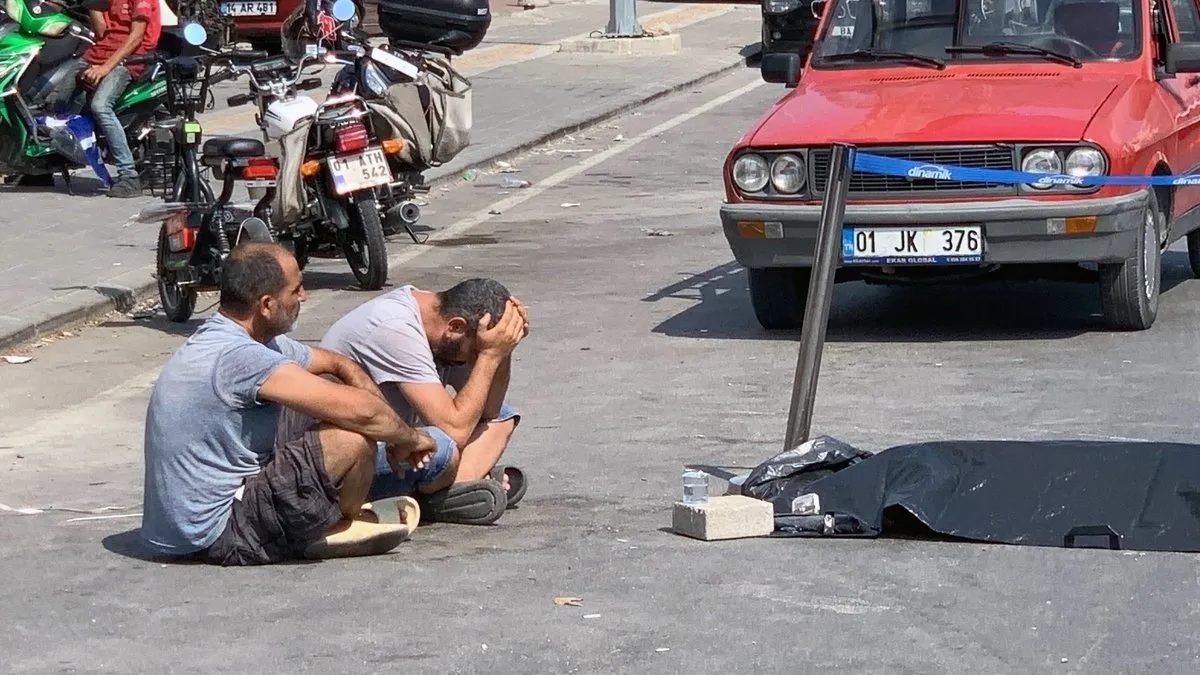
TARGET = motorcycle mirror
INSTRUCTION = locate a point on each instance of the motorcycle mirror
(343, 10)
(195, 34)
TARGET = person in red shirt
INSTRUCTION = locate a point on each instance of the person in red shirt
(126, 28)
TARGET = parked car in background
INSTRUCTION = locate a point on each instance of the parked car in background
(259, 21)
(1068, 89)
(789, 25)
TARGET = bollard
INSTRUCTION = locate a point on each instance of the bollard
(622, 19)
(820, 295)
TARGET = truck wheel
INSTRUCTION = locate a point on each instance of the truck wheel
(1129, 290)
(779, 295)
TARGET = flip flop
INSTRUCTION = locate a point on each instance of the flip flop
(516, 482)
(472, 502)
(401, 510)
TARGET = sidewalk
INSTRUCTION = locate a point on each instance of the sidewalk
(65, 259)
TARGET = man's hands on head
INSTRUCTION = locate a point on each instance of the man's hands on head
(500, 339)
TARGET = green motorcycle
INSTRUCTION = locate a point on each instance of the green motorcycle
(37, 39)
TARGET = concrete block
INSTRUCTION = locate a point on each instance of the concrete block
(724, 517)
(648, 45)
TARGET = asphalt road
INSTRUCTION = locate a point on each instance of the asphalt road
(644, 356)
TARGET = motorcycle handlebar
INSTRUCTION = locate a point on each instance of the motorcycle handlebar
(140, 59)
(239, 99)
(245, 55)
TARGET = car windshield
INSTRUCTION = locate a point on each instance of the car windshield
(919, 31)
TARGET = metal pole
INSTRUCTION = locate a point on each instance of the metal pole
(820, 295)
(622, 19)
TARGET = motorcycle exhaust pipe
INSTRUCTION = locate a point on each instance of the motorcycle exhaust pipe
(409, 213)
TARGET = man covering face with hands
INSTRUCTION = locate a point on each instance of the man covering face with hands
(416, 344)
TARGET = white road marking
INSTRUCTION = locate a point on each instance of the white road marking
(58, 422)
(504, 205)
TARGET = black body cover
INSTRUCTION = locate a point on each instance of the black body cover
(1129, 495)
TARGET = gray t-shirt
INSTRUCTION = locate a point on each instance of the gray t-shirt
(206, 431)
(386, 336)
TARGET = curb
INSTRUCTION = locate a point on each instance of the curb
(436, 177)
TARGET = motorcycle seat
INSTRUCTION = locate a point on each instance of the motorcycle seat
(234, 147)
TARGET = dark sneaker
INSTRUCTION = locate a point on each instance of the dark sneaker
(125, 188)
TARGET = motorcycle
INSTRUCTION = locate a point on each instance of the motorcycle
(417, 97)
(333, 164)
(37, 39)
(198, 230)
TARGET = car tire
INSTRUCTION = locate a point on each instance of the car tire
(779, 295)
(1129, 290)
(271, 44)
(1193, 248)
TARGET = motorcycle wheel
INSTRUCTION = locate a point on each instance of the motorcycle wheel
(363, 244)
(178, 302)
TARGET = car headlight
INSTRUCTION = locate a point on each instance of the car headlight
(1085, 162)
(788, 174)
(750, 173)
(1042, 161)
(780, 6)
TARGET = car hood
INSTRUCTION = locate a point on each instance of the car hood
(962, 106)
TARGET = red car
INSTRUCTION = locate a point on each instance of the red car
(258, 21)
(1069, 88)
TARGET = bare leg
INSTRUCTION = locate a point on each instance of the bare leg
(446, 478)
(484, 449)
(350, 462)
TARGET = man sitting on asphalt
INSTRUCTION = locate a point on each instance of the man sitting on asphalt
(220, 487)
(415, 343)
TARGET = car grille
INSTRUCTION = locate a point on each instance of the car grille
(972, 156)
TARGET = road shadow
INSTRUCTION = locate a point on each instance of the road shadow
(752, 54)
(121, 297)
(1000, 310)
(129, 544)
(82, 186)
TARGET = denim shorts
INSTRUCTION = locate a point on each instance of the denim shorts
(388, 484)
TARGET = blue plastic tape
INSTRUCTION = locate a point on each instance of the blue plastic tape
(892, 166)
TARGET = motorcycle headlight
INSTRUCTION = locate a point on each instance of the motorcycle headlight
(372, 79)
(788, 174)
(750, 173)
(1085, 162)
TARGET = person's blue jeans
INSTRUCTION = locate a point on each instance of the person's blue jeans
(110, 89)
(387, 484)
(67, 97)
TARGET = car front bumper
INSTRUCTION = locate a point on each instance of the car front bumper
(1015, 231)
